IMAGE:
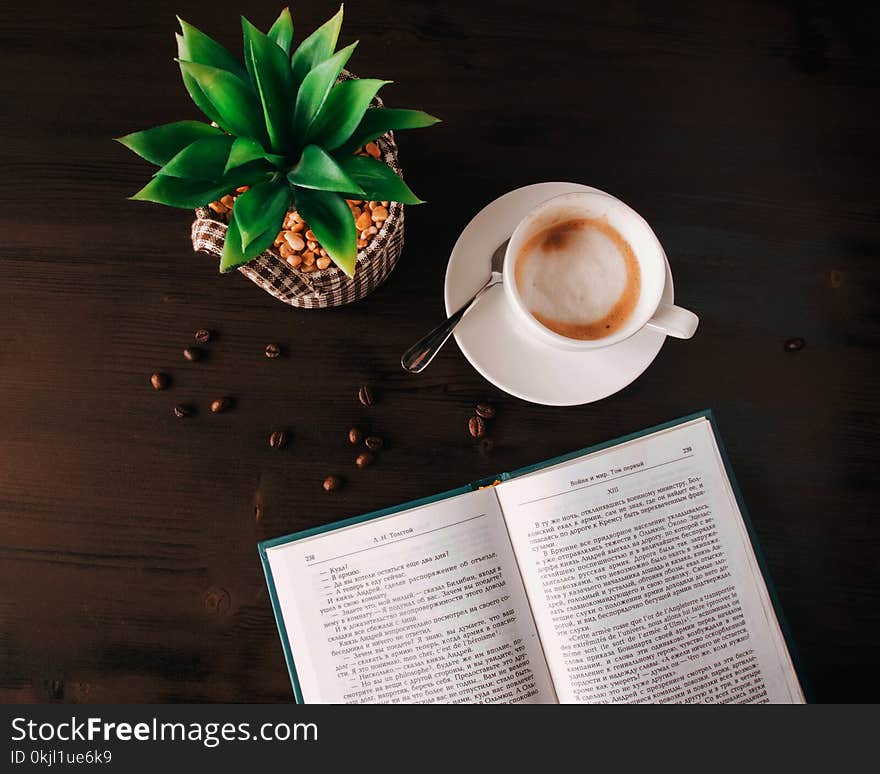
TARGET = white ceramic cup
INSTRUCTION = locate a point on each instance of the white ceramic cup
(649, 311)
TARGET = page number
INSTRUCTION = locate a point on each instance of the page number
(687, 450)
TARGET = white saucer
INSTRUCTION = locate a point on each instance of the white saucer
(510, 357)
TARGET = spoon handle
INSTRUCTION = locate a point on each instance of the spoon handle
(417, 357)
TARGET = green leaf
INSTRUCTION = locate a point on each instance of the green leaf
(207, 51)
(343, 111)
(282, 31)
(179, 192)
(317, 169)
(161, 143)
(378, 121)
(330, 218)
(191, 193)
(204, 159)
(247, 149)
(233, 256)
(270, 72)
(236, 104)
(377, 179)
(194, 46)
(261, 208)
(314, 90)
(195, 91)
(251, 173)
(315, 48)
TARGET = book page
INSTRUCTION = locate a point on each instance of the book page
(422, 606)
(642, 579)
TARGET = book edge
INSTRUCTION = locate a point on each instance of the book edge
(282, 629)
(772, 592)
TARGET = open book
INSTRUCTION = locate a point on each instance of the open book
(621, 573)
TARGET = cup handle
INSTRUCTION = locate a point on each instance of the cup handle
(674, 321)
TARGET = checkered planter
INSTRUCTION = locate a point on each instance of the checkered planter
(318, 289)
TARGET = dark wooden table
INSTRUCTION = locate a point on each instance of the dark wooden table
(746, 133)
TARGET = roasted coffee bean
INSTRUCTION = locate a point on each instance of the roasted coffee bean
(192, 354)
(477, 427)
(363, 459)
(159, 380)
(365, 395)
(355, 436)
(794, 345)
(332, 483)
(272, 350)
(182, 410)
(373, 443)
(202, 335)
(485, 410)
(486, 445)
(278, 439)
(220, 405)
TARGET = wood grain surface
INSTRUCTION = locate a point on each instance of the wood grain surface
(745, 132)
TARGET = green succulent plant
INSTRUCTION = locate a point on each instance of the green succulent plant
(283, 124)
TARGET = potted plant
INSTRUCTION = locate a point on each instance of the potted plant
(296, 179)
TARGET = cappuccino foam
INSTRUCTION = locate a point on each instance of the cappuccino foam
(580, 278)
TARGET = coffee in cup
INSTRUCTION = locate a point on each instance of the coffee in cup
(579, 277)
(583, 270)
